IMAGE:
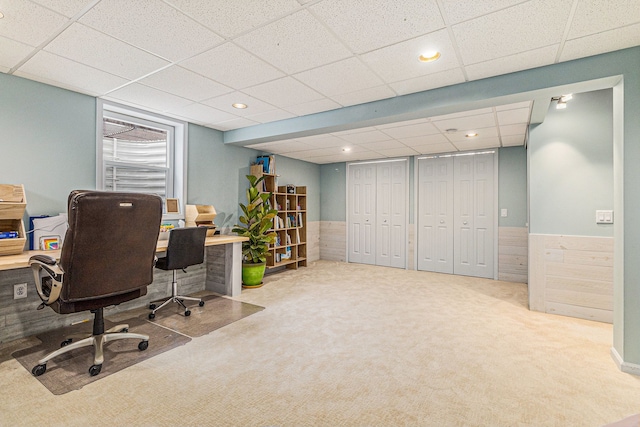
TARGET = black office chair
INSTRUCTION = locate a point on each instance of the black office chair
(107, 258)
(185, 248)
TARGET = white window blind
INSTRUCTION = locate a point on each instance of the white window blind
(139, 154)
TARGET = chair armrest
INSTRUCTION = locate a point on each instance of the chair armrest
(48, 276)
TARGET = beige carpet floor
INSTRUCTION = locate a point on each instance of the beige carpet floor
(353, 345)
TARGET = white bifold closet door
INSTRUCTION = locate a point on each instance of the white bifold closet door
(456, 215)
(377, 206)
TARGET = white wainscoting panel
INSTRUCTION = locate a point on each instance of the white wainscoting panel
(513, 263)
(333, 240)
(572, 276)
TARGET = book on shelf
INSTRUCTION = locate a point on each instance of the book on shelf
(297, 235)
(300, 219)
(288, 239)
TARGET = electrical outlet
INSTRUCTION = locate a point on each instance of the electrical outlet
(20, 291)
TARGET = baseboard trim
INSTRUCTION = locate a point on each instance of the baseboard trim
(626, 367)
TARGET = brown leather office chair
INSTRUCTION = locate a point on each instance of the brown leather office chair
(185, 248)
(107, 258)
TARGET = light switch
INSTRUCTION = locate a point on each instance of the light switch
(503, 213)
(604, 217)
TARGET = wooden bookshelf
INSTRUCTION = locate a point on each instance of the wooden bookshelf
(290, 225)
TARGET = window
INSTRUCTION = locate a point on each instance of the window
(141, 152)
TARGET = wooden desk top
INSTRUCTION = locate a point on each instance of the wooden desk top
(10, 262)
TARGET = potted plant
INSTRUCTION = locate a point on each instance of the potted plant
(256, 223)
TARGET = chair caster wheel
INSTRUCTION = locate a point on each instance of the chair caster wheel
(201, 303)
(66, 342)
(39, 370)
(152, 316)
(143, 345)
(152, 306)
(95, 370)
(124, 330)
(187, 313)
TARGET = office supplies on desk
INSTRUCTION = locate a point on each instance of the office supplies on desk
(46, 229)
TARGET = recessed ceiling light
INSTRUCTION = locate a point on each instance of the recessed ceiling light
(1, 15)
(429, 56)
(471, 135)
(239, 106)
(345, 149)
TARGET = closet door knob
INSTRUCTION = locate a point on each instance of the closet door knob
(442, 221)
(464, 222)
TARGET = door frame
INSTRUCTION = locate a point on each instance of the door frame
(407, 201)
(496, 193)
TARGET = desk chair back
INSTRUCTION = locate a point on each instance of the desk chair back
(109, 248)
(185, 248)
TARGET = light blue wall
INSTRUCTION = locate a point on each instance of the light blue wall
(216, 173)
(333, 194)
(48, 142)
(299, 173)
(512, 186)
(571, 167)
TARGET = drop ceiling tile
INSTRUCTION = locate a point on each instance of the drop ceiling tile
(523, 104)
(323, 141)
(592, 17)
(512, 141)
(512, 30)
(443, 147)
(398, 152)
(58, 71)
(307, 154)
(431, 81)
(12, 52)
(400, 61)
(362, 155)
(271, 116)
(511, 117)
(483, 133)
(365, 137)
(28, 22)
(455, 13)
(466, 123)
(608, 41)
(512, 63)
(323, 160)
(417, 141)
(313, 107)
(232, 66)
(151, 25)
(187, 84)
(369, 25)
(462, 114)
(399, 124)
(295, 43)
(279, 147)
(68, 8)
(237, 123)
(408, 131)
(363, 96)
(90, 47)
(477, 144)
(384, 145)
(224, 102)
(519, 129)
(148, 97)
(348, 75)
(202, 113)
(230, 18)
(284, 92)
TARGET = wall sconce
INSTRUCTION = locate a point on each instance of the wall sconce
(562, 101)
